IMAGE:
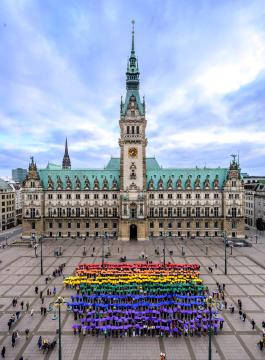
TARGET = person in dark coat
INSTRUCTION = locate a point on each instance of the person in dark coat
(3, 352)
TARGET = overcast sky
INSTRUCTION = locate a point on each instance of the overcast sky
(63, 66)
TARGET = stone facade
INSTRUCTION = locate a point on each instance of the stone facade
(133, 197)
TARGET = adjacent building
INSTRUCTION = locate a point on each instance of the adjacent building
(19, 175)
(133, 197)
(7, 206)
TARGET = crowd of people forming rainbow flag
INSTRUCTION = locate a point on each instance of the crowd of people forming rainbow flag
(137, 299)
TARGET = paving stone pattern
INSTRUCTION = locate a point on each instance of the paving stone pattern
(20, 273)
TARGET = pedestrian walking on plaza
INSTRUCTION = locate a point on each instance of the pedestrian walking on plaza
(41, 310)
(215, 265)
(41, 292)
(260, 343)
(46, 280)
(21, 358)
(13, 341)
(27, 306)
(225, 304)
(244, 317)
(22, 304)
(253, 324)
(118, 250)
(14, 302)
(36, 289)
(223, 287)
(44, 310)
(93, 250)
(27, 333)
(263, 324)
(3, 351)
(239, 302)
(9, 324)
(42, 300)
(17, 314)
(32, 312)
(54, 291)
(40, 342)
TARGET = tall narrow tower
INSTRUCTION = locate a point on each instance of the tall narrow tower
(66, 164)
(132, 130)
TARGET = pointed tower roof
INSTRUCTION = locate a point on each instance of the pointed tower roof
(66, 164)
(132, 80)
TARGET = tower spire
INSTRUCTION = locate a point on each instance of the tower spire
(66, 164)
(132, 51)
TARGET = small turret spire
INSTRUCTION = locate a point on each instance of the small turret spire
(66, 159)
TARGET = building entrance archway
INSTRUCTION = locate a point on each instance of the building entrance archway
(133, 232)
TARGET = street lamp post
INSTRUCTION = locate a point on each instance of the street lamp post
(206, 245)
(225, 243)
(84, 249)
(58, 303)
(103, 244)
(164, 249)
(210, 303)
(41, 259)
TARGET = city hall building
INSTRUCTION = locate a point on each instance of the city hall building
(133, 197)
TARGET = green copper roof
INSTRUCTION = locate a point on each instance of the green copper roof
(114, 164)
(81, 175)
(194, 173)
(53, 166)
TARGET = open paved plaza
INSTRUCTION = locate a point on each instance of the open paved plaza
(20, 274)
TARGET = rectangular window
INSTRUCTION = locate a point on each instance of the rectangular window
(115, 212)
(169, 212)
(59, 225)
(86, 196)
(179, 225)
(197, 196)
(96, 212)
(216, 196)
(78, 225)
(206, 225)
(160, 225)
(188, 196)
(151, 225)
(77, 196)
(50, 196)
(178, 212)
(50, 225)
(114, 196)
(233, 212)
(69, 225)
(105, 196)
(96, 225)
(114, 225)
(198, 212)
(160, 212)
(95, 196)
(197, 225)
(179, 196)
(188, 211)
(188, 224)
(87, 225)
(216, 211)
(105, 225)
(151, 212)
(59, 212)
(59, 196)
(169, 196)
(216, 224)
(207, 212)
(170, 225)
(68, 212)
(233, 183)
(77, 212)
(68, 196)
(207, 196)
(233, 225)
(160, 196)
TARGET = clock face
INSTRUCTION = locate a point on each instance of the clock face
(132, 152)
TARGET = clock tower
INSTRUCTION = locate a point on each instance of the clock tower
(132, 144)
(132, 130)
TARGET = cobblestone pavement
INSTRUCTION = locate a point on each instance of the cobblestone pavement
(20, 273)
